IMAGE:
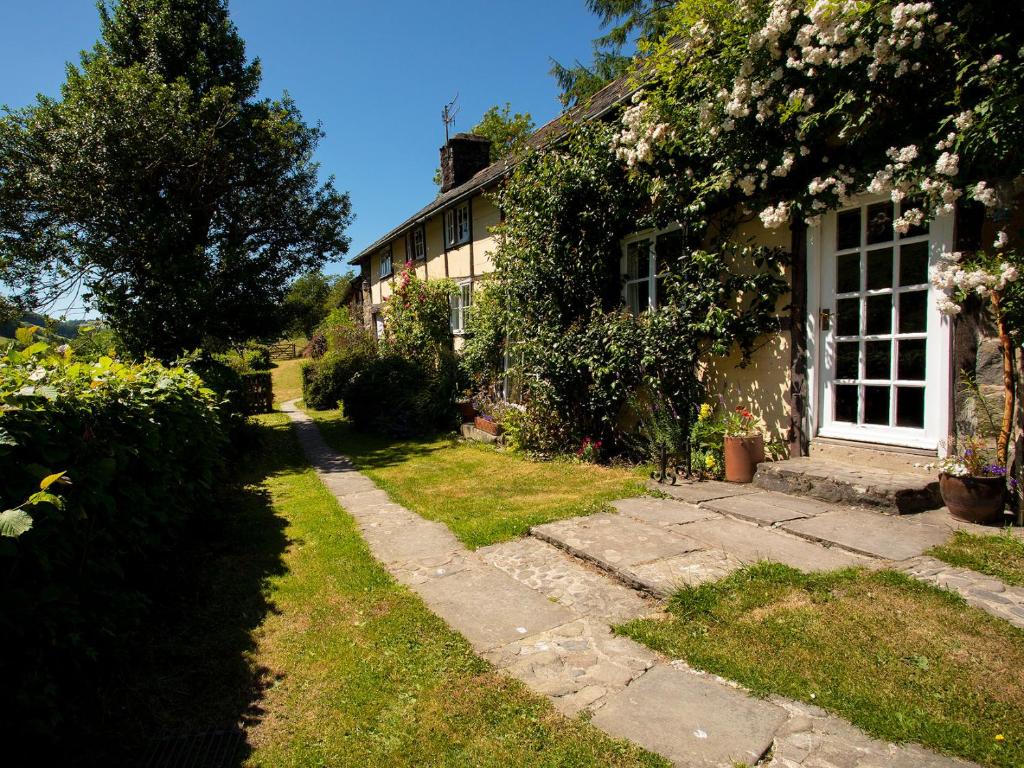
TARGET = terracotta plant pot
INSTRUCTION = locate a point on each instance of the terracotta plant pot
(974, 499)
(742, 455)
(486, 425)
(466, 412)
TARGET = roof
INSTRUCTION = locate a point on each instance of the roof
(597, 106)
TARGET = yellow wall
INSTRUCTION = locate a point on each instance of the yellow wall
(486, 216)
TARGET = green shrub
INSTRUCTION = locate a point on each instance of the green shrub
(141, 446)
(257, 357)
(403, 396)
(324, 381)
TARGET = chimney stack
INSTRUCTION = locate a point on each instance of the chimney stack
(465, 155)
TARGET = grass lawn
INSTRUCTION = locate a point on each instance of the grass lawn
(287, 378)
(902, 660)
(293, 628)
(1001, 555)
(483, 495)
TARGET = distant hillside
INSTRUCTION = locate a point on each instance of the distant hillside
(65, 329)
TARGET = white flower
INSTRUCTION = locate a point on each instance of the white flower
(37, 375)
(985, 195)
(775, 217)
(1001, 239)
(948, 164)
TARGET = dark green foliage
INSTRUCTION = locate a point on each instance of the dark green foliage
(402, 396)
(141, 446)
(312, 297)
(507, 132)
(259, 392)
(183, 201)
(325, 381)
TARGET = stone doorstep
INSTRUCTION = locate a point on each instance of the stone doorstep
(896, 492)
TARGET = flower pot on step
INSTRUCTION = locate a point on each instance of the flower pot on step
(742, 455)
(487, 425)
(974, 499)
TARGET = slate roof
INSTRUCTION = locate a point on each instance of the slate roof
(597, 106)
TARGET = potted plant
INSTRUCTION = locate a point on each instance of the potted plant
(487, 424)
(973, 487)
(467, 408)
(743, 445)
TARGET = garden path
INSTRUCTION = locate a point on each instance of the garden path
(544, 617)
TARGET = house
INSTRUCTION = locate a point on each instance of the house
(862, 368)
(451, 236)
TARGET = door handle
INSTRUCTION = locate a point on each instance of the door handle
(825, 316)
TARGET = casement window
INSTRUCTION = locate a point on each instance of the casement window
(456, 225)
(461, 303)
(418, 244)
(386, 265)
(645, 260)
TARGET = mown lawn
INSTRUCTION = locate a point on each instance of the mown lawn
(902, 660)
(483, 495)
(287, 378)
(1001, 555)
(289, 626)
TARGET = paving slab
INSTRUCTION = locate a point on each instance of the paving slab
(751, 543)
(692, 719)
(869, 533)
(661, 511)
(412, 573)
(943, 518)
(575, 664)
(664, 577)
(394, 540)
(757, 508)
(566, 580)
(490, 608)
(614, 541)
(984, 592)
(694, 492)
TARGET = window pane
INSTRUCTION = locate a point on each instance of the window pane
(880, 223)
(911, 363)
(846, 403)
(848, 360)
(879, 315)
(876, 405)
(880, 269)
(848, 317)
(848, 230)
(910, 407)
(917, 231)
(913, 312)
(638, 260)
(848, 273)
(914, 264)
(877, 359)
(638, 296)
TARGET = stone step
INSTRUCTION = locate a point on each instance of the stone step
(841, 483)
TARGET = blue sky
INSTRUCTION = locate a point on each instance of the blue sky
(375, 74)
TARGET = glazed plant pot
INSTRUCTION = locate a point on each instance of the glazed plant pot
(466, 411)
(974, 499)
(742, 455)
(488, 426)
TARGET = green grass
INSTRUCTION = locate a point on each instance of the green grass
(1001, 555)
(902, 660)
(292, 628)
(287, 378)
(483, 495)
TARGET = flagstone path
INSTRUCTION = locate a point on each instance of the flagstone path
(542, 613)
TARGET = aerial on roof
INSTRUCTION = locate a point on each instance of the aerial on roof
(597, 106)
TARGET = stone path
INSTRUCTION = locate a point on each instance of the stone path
(543, 617)
(984, 592)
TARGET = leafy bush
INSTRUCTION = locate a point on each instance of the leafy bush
(257, 357)
(141, 447)
(402, 396)
(325, 381)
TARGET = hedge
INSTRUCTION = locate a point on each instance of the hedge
(141, 447)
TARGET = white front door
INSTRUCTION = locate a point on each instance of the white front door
(882, 345)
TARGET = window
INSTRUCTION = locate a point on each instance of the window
(456, 225)
(386, 268)
(419, 244)
(645, 259)
(461, 302)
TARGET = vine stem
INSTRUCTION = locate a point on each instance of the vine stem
(1008, 384)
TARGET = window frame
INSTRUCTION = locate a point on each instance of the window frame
(419, 244)
(653, 277)
(387, 257)
(457, 229)
(460, 307)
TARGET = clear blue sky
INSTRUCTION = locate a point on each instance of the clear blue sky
(375, 74)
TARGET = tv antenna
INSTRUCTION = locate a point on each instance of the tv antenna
(448, 115)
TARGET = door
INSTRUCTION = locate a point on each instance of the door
(884, 346)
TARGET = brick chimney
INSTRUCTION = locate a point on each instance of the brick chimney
(462, 157)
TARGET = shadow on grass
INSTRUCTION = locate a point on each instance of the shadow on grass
(186, 687)
(372, 450)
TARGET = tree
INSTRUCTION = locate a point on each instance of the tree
(312, 296)
(182, 202)
(624, 20)
(506, 130)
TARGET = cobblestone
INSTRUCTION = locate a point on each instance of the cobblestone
(981, 591)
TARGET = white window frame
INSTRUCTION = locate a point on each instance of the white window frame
(456, 225)
(820, 272)
(461, 305)
(387, 266)
(419, 244)
(651, 235)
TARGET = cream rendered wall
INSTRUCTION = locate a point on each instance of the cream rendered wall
(435, 248)
(763, 385)
(486, 216)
